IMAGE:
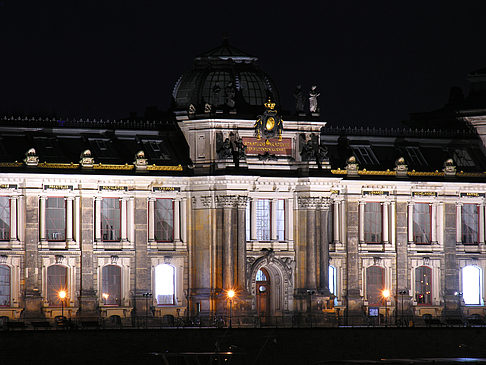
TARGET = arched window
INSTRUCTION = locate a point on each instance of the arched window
(375, 282)
(164, 284)
(4, 286)
(111, 285)
(56, 281)
(423, 285)
(472, 285)
(332, 280)
(260, 276)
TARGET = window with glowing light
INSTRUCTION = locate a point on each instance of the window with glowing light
(423, 285)
(164, 220)
(472, 284)
(470, 223)
(165, 284)
(56, 281)
(332, 280)
(4, 218)
(263, 219)
(375, 283)
(110, 219)
(373, 222)
(4, 286)
(111, 285)
(56, 219)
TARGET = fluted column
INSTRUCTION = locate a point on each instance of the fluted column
(69, 219)
(343, 222)
(42, 219)
(151, 219)
(177, 221)
(361, 222)
(393, 223)
(459, 222)
(241, 244)
(310, 205)
(324, 249)
(98, 219)
(77, 220)
(184, 220)
(13, 218)
(335, 217)
(124, 219)
(253, 230)
(410, 222)
(228, 278)
(385, 222)
(481, 223)
(433, 232)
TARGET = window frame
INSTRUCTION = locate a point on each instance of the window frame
(277, 222)
(155, 221)
(259, 236)
(463, 225)
(380, 302)
(430, 285)
(9, 302)
(7, 234)
(57, 303)
(481, 284)
(174, 287)
(103, 274)
(47, 218)
(380, 220)
(430, 224)
(120, 219)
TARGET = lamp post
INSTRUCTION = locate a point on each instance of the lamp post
(146, 296)
(105, 297)
(386, 294)
(230, 294)
(62, 296)
(310, 293)
(402, 293)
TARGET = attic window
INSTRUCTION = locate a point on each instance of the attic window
(415, 156)
(365, 155)
(102, 148)
(462, 158)
(156, 150)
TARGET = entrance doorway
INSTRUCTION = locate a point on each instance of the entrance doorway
(263, 292)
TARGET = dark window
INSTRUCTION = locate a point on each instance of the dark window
(263, 215)
(164, 220)
(56, 281)
(415, 156)
(365, 155)
(375, 284)
(462, 158)
(4, 286)
(110, 219)
(422, 222)
(164, 284)
(373, 222)
(4, 218)
(470, 223)
(423, 285)
(56, 219)
(157, 150)
(111, 285)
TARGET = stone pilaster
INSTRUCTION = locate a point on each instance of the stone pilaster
(142, 261)
(402, 272)
(88, 302)
(452, 303)
(353, 298)
(324, 250)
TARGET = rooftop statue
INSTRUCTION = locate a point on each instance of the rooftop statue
(313, 94)
(299, 99)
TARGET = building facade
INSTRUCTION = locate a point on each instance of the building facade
(137, 217)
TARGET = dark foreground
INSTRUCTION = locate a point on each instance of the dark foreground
(254, 346)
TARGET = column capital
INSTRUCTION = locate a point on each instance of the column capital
(308, 202)
(226, 201)
(242, 201)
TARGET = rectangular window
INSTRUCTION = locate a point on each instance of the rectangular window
(423, 285)
(263, 220)
(422, 217)
(470, 223)
(373, 222)
(248, 222)
(280, 211)
(365, 155)
(4, 218)
(56, 219)
(164, 220)
(110, 219)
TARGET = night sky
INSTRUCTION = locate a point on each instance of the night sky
(374, 62)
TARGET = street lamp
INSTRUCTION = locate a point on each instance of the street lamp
(402, 293)
(310, 293)
(105, 297)
(62, 296)
(230, 294)
(146, 296)
(386, 294)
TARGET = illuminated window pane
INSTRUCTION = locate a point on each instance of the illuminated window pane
(421, 223)
(164, 220)
(372, 222)
(164, 284)
(470, 223)
(260, 276)
(110, 219)
(56, 219)
(280, 211)
(4, 286)
(111, 285)
(374, 284)
(248, 222)
(332, 280)
(56, 281)
(423, 285)
(4, 218)
(263, 219)
(471, 285)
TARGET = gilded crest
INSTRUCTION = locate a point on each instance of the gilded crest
(269, 124)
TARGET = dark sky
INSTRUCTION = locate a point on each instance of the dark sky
(374, 62)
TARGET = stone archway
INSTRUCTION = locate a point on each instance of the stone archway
(280, 272)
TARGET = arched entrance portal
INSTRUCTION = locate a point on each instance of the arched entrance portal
(263, 293)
